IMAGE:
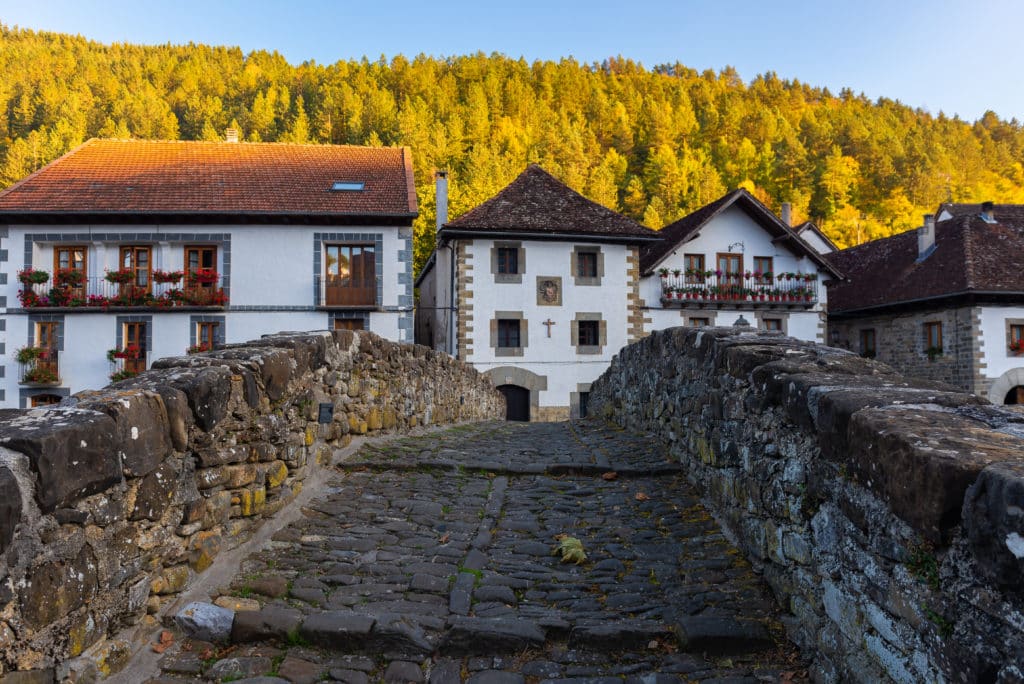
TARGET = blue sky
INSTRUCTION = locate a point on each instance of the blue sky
(956, 56)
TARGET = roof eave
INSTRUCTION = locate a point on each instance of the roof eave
(37, 217)
(447, 233)
(905, 303)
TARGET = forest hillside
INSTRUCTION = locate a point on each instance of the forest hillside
(654, 143)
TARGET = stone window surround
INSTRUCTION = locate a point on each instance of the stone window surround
(508, 278)
(523, 330)
(1011, 322)
(46, 318)
(588, 249)
(760, 316)
(602, 328)
(321, 240)
(119, 333)
(575, 399)
(363, 316)
(220, 335)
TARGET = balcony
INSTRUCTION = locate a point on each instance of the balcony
(714, 290)
(38, 367)
(337, 292)
(40, 291)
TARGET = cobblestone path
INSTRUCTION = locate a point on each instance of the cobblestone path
(431, 559)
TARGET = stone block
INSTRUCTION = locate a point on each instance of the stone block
(276, 474)
(207, 391)
(239, 475)
(72, 452)
(994, 524)
(54, 589)
(920, 469)
(336, 629)
(718, 635)
(205, 621)
(469, 635)
(45, 676)
(10, 507)
(218, 510)
(204, 548)
(155, 493)
(141, 426)
(271, 622)
(216, 456)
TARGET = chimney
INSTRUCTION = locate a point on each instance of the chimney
(926, 237)
(787, 213)
(442, 198)
(987, 212)
(231, 135)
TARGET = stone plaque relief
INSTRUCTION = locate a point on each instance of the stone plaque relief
(549, 291)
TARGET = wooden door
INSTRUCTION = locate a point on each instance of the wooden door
(139, 261)
(517, 402)
(135, 336)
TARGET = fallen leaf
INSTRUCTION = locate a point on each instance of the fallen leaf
(166, 637)
(640, 496)
(610, 475)
(444, 538)
(159, 648)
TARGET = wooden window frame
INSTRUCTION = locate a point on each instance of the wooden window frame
(695, 262)
(729, 277)
(586, 264)
(506, 328)
(768, 322)
(133, 251)
(135, 365)
(771, 265)
(508, 260)
(868, 343)
(336, 291)
(592, 337)
(206, 334)
(698, 322)
(933, 332)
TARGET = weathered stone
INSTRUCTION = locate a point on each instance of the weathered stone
(205, 621)
(239, 475)
(235, 668)
(218, 510)
(495, 677)
(56, 588)
(722, 635)
(29, 677)
(336, 629)
(993, 516)
(276, 474)
(182, 663)
(274, 587)
(899, 453)
(204, 548)
(616, 635)
(141, 426)
(236, 603)
(298, 671)
(207, 391)
(403, 672)
(72, 452)
(10, 507)
(351, 676)
(472, 635)
(270, 622)
(155, 493)
(216, 456)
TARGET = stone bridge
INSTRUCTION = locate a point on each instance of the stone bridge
(740, 507)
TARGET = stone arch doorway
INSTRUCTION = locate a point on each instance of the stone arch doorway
(522, 379)
(517, 402)
(1008, 386)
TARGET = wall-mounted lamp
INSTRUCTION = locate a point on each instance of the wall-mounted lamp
(736, 244)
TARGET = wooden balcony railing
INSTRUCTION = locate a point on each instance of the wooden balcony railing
(42, 370)
(332, 291)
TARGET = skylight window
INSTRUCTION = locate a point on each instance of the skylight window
(347, 186)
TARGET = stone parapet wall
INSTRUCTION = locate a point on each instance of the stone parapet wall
(109, 507)
(884, 512)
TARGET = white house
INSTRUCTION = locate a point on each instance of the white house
(124, 251)
(538, 287)
(943, 302)
(734, 261)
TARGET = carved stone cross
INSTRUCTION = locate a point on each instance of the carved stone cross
(548, 323)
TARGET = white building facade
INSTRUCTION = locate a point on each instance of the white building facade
(538, 288)
(734, 262)
(131, 270)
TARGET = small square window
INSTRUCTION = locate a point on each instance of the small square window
(586, 264)
(699, 322)
(774, 324)
(589, 334)
(508, 260)
(508, 334)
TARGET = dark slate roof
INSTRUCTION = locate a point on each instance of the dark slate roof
(686, 228)
(538, 204)
(1001, 212)
(970, 256)
(144, 178)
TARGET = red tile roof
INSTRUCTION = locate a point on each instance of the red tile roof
(686, 228)
(971, 257)
(537, 203)
(141, 178)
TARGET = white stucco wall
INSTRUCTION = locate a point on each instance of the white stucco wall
(998, 359)
(727, 229)
(271, 269)
(554, 357)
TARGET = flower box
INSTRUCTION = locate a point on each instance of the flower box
(31, 276)
(70, 277)
(168, 276)
(120, 277)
